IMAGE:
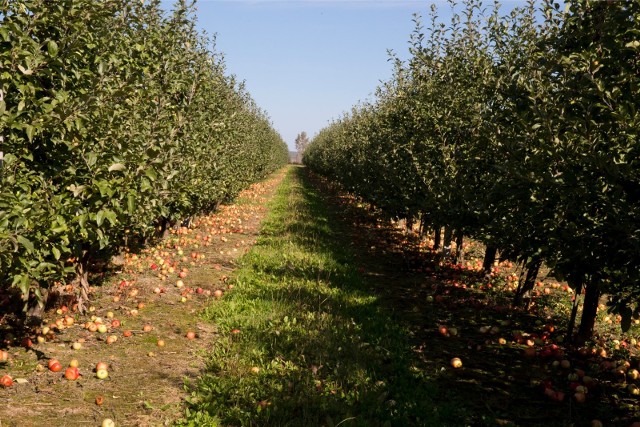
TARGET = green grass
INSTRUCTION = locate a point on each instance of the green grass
(327, 350)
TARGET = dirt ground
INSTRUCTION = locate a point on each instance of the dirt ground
(147, 382)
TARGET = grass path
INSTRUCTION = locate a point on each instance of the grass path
(304, 341)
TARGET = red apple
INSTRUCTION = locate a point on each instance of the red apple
(6, 381)
(71, 374)
(55, 365)
(191, 335)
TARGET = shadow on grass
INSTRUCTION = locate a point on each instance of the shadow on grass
(328, 325)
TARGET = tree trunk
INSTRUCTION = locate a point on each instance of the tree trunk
(489, 258)
(577, 286)
(408, 224)
(446, 244)
(459, 258)
(437, 237)
(589, 311)
(423, 224)
(82, 277)
(529, 282)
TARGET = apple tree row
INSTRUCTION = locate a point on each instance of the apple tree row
(519, 130)
(117, 119)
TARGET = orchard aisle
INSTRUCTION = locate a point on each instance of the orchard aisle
(156, 297)
(304, 339)
(339, 317)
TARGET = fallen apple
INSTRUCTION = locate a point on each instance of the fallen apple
(71, 374)
(6, 381)
(191, 335)
(102, 374)
(54, 365)
(456, 362)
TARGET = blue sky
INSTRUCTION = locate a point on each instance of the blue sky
(308, 61)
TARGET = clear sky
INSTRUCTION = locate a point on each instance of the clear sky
(308, 61)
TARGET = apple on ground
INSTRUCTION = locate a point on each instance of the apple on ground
(55, 365)
(456, 362)
(6, 381)
(71, 374)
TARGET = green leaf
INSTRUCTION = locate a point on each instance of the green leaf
(25, 242)
(29, 130)
(131, 203)
(151, 173)
(52, 48)
(76, 189)
(100, 218)
(56, 253)
(25, 71)
(111, 216)
(91, 158)
(22, 282)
